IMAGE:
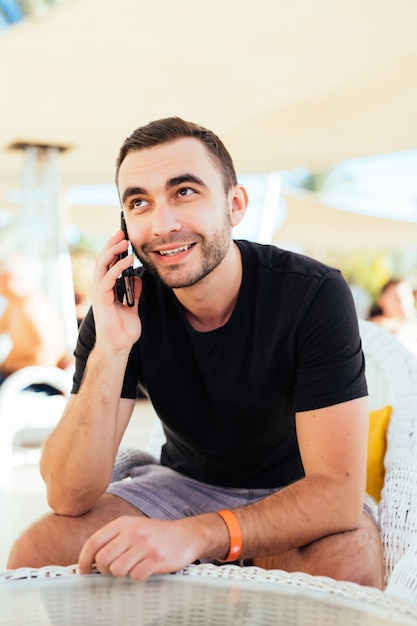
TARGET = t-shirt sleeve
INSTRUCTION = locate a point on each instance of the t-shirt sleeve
(85, 343)
(331, 364)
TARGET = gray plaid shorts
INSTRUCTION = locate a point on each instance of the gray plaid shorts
(162, 493)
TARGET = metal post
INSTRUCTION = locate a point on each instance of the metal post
(40, 229)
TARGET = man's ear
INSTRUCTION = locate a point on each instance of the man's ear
(238, 204)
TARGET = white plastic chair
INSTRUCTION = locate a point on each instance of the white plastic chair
(28, 411)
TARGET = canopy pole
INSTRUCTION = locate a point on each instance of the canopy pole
(40, 229)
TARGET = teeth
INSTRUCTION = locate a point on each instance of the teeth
(173, 252)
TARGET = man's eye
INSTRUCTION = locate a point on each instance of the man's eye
(138, 203)
(185, 191)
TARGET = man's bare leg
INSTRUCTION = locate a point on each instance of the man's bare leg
(58, 539)
(354, 556)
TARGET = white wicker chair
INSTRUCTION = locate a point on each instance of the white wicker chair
(392, 379)
(29, 412)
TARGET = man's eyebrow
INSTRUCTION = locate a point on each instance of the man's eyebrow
(132, 191)
(172, 182)
(184, 178)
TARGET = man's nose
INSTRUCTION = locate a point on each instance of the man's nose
(165, 220)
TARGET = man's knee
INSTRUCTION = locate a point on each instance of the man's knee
(365, 562)
(46, 542)
(58, 539)
(354, 556)
(370, 563)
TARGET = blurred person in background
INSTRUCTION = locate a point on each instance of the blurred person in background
(395, 311)
(31, 331)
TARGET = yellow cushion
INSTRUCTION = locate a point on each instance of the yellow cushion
(377, 445)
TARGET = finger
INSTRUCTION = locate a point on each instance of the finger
(111, 558)
(141, 571)
(116, 240)
(111, 274)
(110, 256)
(126, 561)
(117, 237)
(93, 545)
(99, 539)
(87, 559)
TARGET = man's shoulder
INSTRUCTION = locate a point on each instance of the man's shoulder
(281, 261)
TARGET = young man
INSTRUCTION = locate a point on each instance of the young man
(252, 359)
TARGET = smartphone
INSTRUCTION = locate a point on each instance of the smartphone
(127, 274)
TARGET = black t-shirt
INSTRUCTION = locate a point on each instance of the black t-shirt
(227, 398)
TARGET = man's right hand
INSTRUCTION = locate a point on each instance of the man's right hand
(118, 326)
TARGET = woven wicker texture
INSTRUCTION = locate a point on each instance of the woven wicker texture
(182, 601)
(390, 366)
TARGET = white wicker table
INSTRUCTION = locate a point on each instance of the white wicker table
(185, 601)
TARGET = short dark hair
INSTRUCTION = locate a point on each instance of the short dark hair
(171, 128)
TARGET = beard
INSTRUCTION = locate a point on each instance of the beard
(213, 251)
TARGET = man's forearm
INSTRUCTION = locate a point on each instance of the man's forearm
(308, 510)
(77, 459)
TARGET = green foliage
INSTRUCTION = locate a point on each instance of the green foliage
(369, 270)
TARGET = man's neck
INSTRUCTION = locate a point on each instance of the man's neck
(209, 304)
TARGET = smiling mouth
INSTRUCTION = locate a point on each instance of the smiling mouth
(175, 251)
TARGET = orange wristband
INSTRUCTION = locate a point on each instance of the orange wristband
(235, 534)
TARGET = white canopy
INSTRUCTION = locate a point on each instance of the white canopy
(285, 83)
(317, 227)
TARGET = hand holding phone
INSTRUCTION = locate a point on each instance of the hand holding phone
(127, 274)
